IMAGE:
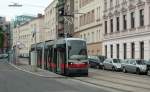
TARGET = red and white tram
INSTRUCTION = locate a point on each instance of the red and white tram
(65, 56)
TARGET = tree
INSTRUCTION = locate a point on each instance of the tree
(1, 37)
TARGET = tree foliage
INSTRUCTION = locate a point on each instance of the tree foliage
(1, 37)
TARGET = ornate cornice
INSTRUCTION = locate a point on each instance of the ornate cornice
(131, 7)
(105, 17)
(116, 13)
(123, 9)
(140, 3)
(110, 14)
(148, 1)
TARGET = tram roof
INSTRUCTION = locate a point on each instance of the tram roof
(49, 42)
(74, 39)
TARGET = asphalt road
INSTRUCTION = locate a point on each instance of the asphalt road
(13, 80)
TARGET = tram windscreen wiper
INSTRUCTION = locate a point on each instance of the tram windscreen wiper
(77, 57)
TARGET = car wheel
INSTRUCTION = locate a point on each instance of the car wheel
(124, 70)
(146, 73)
(113, 69)
(97, 67)
(137, 71)
(103, 67)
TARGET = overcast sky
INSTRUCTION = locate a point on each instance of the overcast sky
(30, 7)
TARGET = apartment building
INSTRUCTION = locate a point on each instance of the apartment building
(126, 29)
(50, 21)
(23, 34)
(88, 24)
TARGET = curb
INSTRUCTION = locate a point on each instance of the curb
(34, 73)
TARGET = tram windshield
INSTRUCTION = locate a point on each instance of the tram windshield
(77, 50)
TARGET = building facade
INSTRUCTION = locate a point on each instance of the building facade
(126, 29)
(88, 24)
(50, 21)
(24, 36)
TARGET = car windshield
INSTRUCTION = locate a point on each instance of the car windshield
(116, 60)
(102, 58)
(93, 57)
(140, 62)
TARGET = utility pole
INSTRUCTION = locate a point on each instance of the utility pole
(43, 51)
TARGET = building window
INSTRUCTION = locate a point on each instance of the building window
(111, 25)
(142, 17)
(118, 50)
(118, 25)
(105, 5)
(117, 2)
(105, 27)
(132, 20)
(124, 1)
(124, 22)
(132, 50)
(106, 50)
(125, 50)
(92, 36)
(111, 3)
(93, 16)
(111, 51)
(141, 50)
(84, 36)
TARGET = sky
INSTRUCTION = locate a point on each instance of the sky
(30, 7)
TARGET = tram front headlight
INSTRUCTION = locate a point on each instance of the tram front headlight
(70, 63)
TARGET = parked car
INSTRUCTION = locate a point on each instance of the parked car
(112, 64)
(96, 61)
(148, 66)
(134, 66)
(2, 56)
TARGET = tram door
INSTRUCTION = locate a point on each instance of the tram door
(60, 59)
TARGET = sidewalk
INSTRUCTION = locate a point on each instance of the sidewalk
(23, 66)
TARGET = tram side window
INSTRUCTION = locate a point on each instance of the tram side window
(61, 47)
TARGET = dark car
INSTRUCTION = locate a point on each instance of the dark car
(148, 66)
(96, 61)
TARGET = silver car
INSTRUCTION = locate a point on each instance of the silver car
(112, 64)
(134, 66)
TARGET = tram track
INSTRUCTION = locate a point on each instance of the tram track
(117, 83)
(123, 83)
(100, 85)
(121, 78)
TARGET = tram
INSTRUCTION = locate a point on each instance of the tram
(65, 56)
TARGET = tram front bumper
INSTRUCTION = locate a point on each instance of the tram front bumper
(77, 71)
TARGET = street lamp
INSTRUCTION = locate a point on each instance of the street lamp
(15, 5)
(43, 50)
